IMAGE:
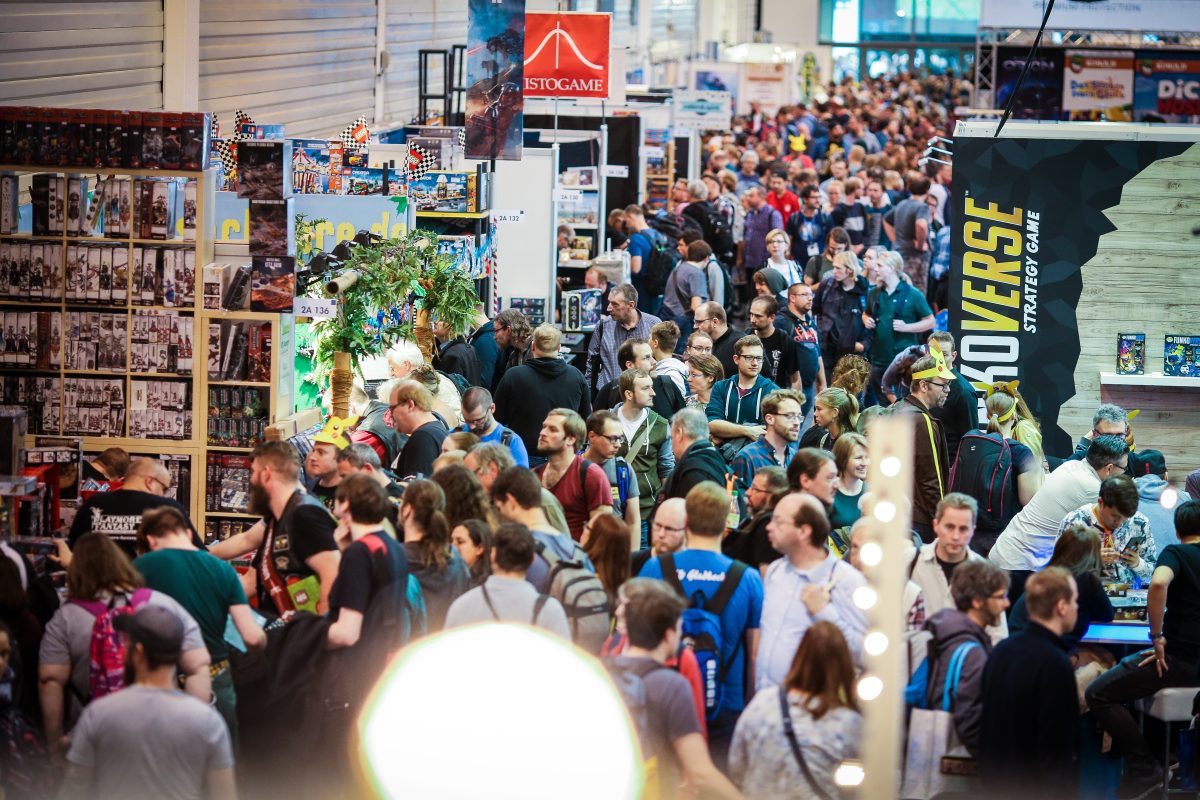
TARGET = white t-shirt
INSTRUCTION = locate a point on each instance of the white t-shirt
(628, 426)
(1028, 541)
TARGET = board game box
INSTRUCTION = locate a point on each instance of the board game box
(1181, 356)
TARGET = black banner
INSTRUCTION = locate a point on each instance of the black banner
(1028, 213)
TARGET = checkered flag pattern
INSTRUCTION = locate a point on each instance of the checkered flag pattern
(356, 135)
(216, 126)
(225, 151)
(462, 138)
(420, 161)
(240, 118)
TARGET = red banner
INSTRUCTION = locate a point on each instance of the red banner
(566, 54)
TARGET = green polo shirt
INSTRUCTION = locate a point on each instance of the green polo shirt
(203, 584)
(905, 304)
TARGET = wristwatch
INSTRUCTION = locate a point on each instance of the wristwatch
(1155, 636)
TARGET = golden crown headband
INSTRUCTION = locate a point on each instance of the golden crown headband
(1010, 389)
(939, 368)
(335, 431)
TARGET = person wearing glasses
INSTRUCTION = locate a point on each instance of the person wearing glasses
(782, 414)
(1109, 420)
(735, 409)
(931, 468)
(118, 514)
(605, 438)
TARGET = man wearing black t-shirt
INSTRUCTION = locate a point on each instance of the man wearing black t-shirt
(710, 318)
(411, 405)
(781, 363)
(1173, 608)
(293, 542)
(321, 469)
(118, 514)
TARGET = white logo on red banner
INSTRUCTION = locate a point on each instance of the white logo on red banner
(566, 55)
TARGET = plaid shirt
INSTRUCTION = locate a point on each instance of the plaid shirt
(754, 457)
(607, 339)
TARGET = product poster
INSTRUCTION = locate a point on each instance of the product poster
(1098, 85)
(495, 79)
(567, 54)
(716, 77)
(765, 84)
(1041, 93)
(1166, 88)
(273, 286)
(1039, 226)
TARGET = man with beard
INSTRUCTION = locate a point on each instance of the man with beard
(931, 381)
(294, 541)
(580, 486)
(479, 418)
(150, 739)
(781, 359)
(668, 533)
(781, 416)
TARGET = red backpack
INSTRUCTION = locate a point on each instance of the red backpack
(106, 653)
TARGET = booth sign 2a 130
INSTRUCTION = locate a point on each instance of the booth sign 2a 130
(567, 54)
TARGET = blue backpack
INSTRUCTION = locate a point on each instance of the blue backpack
(702, 629)
(916, 693)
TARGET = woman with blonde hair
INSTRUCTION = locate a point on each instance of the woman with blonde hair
(835, 413)
(838, 306)
(851, 459)
(1025, 428)
(779, 245)
(791, 738)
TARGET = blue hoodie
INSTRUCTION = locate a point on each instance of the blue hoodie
(725, 404)
(1162, 520)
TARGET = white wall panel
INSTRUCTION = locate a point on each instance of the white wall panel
(82, 54)
(413, 25)
(309, 65)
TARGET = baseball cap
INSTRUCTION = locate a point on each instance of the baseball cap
(157, 629)
(1145, 462)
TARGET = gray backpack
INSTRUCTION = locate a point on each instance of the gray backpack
(582, 595)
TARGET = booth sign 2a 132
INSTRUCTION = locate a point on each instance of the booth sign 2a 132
(566, 54)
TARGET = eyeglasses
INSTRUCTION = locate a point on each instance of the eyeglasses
(753, 488)
(658, 526)
(1122, 434)
(751, 359)
(615, 439)
(998, 596)
(789, 417)
(697, 320)
(942, 386)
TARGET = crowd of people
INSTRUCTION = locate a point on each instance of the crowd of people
(687, 505)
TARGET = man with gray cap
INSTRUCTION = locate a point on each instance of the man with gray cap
(150, 739)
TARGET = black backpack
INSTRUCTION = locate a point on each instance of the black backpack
(983, 469)
(722, 234)
(657, 266)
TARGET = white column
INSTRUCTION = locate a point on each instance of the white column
(181, 55)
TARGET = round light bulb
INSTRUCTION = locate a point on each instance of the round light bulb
(849, 773)
(875, 642)
(870, 687)
(865, 598)
(890, 466)
(1169, 497)
(871, 554)
(885, 511)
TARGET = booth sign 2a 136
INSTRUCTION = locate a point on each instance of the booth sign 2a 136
(566, 54)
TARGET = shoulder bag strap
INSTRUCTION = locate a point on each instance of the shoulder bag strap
(785, 713)
(487, 599)
(954, 673)
(667, 564)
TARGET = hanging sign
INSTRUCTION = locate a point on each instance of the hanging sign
(567, 54)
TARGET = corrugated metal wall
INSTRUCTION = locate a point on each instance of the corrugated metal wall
(309, 65)
(413, 25)
(83, 53)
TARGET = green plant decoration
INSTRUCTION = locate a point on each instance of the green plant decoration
(393, 290)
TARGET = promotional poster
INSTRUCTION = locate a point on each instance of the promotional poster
(1046, 246)
(1098, 85)
(1167, 88)
(495, 79)
(1041, 93)
(567, 54)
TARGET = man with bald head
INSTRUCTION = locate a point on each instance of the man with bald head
(118, 514)
(823, 583)
(668, 532)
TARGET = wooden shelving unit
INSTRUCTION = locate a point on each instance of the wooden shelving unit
(278, 391)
